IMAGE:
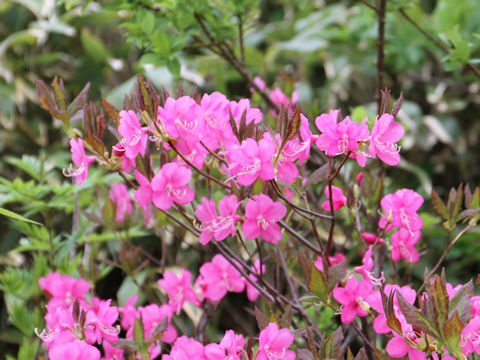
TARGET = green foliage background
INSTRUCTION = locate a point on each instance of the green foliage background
(326, 50)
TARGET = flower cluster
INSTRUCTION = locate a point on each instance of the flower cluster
(225, 175)
(77, 327)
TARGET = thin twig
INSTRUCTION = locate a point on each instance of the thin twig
(332, 213)
(197, 169)
(380, 50)
(225, 53)
(240, 39)
(369, 5)
(296, 207)
(445, 253)
(300, 238)
(435, 41)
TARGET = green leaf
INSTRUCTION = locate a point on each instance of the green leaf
(160, 43)
(173, 66)
(414, 317)
(452, 332)
(94, 47)
(28, 349)
(148, 23)
(21, 319)
(317, 284)
(461, 303)
(439, 205)
(138, 330)
(334, 344)
(16, 216)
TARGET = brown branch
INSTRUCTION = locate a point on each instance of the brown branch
(380, 50)
(240, 39)
(300, 238)
(365, 2)
(296, 207)
(215, 180)
(225, 53)
(445, 253)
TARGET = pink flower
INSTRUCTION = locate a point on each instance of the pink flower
(261, 217)
(401, 211)
(63, 289)
(403, 245)
(179, 289)
(274, 343)
(251, 114)
(259, 82)
(152, 316)
(353, 297)
(286, 169)
(385, 133)
(339, 199)
(339, 138)
(76, 350)
(170, 186)
(102, 316)
(60, 323)
(219, 277)
(334, 260)
(185, 349)
(216, 111)
(397, 347)
(119, 196)
(128, 312)
(371, 238)
(144, 192)
(367, 263)
(182, 118)
(299, 148)
(250, 161)
(471, 337)
(375, 301)
(112, 352)
(233, 345)
(81, 160)
(134, 136)
(252, 292)
(212, 224)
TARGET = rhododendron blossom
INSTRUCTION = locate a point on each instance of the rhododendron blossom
(179, 289)
(63, 289)
(342, 137)
(169, 186)
(102, 316)
(135, 137)
(353, 298)
(274, 344)
(120, 198)
(403, 245)
(334, 260)
(182, 118)
(385, 133)
(375, 301)
(338, 198)
(76, 350)
(233, 345)
(212, 224)
(250, 161)
(81, 160)
(219, 277)
(261, 217)
(401, 211)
